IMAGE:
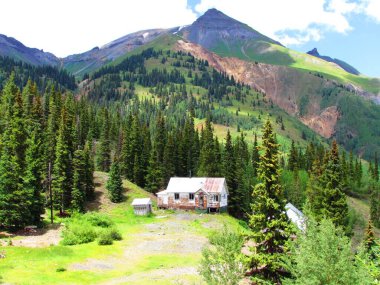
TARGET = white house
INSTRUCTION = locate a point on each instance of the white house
(203, 193)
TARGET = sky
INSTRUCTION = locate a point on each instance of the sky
(344, 29)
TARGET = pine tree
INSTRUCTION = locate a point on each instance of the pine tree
(293, 157)
(334, 201)
(15, 199)
(115, 184)
(32, 180)
(104, 153)
(207, 161)
(154, 178)
(369, 238)
(268, 221)
(375, 203)
(89, 172)
(79, 185)
(229, 172)
(61, 184)
(376, 168)
(255, 156)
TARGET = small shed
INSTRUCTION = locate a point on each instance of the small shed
(142, 206)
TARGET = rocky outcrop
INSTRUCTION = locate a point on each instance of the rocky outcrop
(323, 123)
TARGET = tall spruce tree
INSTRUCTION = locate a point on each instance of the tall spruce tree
(334, 202)
(79, 184)
(268, 221)
(115, 184)
(15, 199)
(61, 183)
(255, 156)
(293, 157)
(104, 152)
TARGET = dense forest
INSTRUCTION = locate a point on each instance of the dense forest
(51, 141)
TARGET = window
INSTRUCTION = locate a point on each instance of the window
(216, 198)
(176, 196)
(191, 196)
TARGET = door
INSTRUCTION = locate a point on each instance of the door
(201, 199)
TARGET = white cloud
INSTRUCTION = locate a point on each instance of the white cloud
(71, 26)
(372, 9)
(291, 21)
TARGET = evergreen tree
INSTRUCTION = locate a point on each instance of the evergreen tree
(376, 168)
(61, 184)
(15, 199)
(369, 238)
(268, 221)
(154, 178)
(104, 153)
(115, 184)
(208, 166)
(255, 156)
(334, 201)
(293, 157)
(89, 172)
(79, 185)
(229, 172)
(375, 203)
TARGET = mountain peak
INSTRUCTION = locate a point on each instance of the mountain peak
(314, 52)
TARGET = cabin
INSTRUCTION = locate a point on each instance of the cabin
(142, 206)
(295, 216)
(207, 194)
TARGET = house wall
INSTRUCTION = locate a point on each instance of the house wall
(183, 202)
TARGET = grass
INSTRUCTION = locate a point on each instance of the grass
(59, 264)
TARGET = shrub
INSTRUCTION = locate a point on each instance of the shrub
(78, 233)
(105, 238)
(98, 220)
(115, 234)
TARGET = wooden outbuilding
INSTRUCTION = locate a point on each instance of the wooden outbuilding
(142, 206)
(208, 194)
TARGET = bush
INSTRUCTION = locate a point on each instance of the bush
(78, 233)
(88, 227)
(105, 238)
(98, 220)
(115, 234)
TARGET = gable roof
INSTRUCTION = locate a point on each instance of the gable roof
(295, 215)
(141, 202)
(193, 184)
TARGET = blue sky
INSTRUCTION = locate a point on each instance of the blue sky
(345, 29)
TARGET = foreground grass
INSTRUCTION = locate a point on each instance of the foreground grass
(118, 263)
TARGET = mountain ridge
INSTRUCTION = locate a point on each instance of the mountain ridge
(347, 67)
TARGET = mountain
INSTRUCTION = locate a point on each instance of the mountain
(228, 37)
(341, 63)
(10, 47)
(95, 58)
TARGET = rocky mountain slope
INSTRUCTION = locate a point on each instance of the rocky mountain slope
(86, 62)
(341, 63)
(10, 47)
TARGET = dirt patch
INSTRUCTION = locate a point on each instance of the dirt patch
(323, 124)
(92, 264)
(156, 275)
(37, 238)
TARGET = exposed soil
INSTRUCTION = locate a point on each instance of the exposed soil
(324, 124)
(36, 238)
